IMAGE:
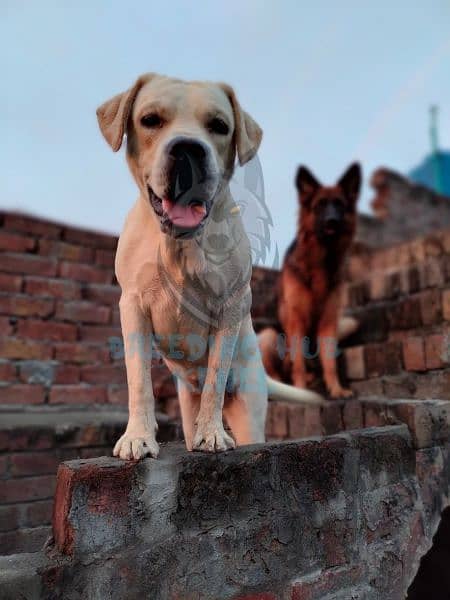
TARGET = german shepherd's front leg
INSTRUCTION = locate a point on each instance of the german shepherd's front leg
(210, 435)
(139, 438)
(295, 335)
(327, 339)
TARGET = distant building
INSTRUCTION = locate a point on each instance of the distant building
(402, 210)
(434, 172)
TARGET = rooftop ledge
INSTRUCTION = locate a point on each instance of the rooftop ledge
(350, 513)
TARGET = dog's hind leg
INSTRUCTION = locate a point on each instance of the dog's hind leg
(246, 412)
(346, 326)
(267, 340)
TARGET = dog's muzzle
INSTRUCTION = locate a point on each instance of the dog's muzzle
(190, 189)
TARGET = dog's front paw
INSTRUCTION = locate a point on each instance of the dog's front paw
(337, 391)
(212, 439)
(134, 445)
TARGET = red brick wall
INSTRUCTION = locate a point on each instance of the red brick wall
(58, 307)
(401, 295)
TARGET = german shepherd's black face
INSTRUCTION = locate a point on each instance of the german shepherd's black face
(329, 211)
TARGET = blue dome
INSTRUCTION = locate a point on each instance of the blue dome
(434, 172)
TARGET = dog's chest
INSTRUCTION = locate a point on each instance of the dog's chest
(179, 315)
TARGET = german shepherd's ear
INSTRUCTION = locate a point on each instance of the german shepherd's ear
(306, 184)
(350, 182)
(113, 114)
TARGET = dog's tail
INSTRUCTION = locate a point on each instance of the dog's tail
(289, 393)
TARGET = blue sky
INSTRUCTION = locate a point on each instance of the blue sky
(329, 82)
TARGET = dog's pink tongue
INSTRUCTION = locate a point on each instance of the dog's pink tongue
(181, 215)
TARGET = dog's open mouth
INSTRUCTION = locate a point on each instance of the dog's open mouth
(180, 218)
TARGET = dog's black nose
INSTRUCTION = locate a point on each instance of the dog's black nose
(187, 168)
(184, 148)
(332, 222)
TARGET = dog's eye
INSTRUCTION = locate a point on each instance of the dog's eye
(152, 121)
(219, 126)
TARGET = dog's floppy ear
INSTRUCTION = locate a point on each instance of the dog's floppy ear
(113, 115)
(350, 182)
(306, 184)
(247, 132)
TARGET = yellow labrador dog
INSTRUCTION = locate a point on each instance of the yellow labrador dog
(177, 297)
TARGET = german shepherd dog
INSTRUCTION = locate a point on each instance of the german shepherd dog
(309, 285)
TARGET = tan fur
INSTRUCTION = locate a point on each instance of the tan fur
(145, 254)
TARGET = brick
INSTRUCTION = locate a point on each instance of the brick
(22, 394)
(85, 273)
(47, 330)
(66, 374)
(358, 294)
(352, 414)
(38, 513)
(393, 284)
(22, 305)
(9, 518)
(355, 363)
(33, 463)
(82, 353)
(296, 421)
(7, 371)
(14, 348)
(375, 358)
(279, 420)
(434, 273)
(31, 225)
(99, 334)
(437, 351)
(22, 438)
(446, 304)
(393, 358)
(10, 283)
(378, 285)
(82, 312)
(118, 394)
(66, 251)
(58, 288)
(331, 418)
(6, 325)
(405, 314)
(104, 294)
(77, 394)
(368, 387)
(400, 386)
(414, 354)
(415, 277)
(374, 414)
(431, 307)
(47, 372)
(434, 385)
(105, 258)
(24, 540)
(13, 242)
(3, 465)
(99, 374)
(90, 238)
(313, 423)
(428, 422)
(28, 263)
(27, 488)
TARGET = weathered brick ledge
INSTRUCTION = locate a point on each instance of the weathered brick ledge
(348, 516)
